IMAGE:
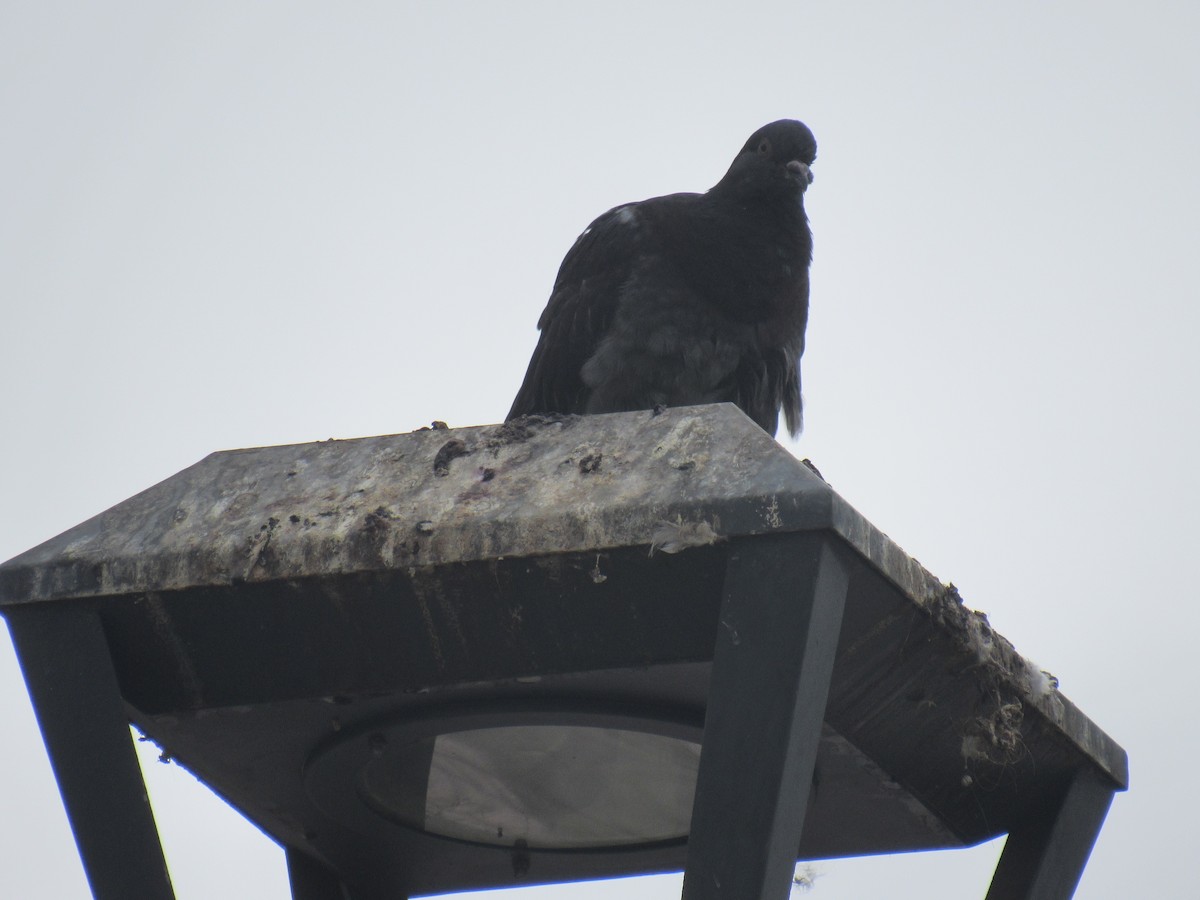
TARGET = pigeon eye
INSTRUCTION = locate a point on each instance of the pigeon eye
(764, 147)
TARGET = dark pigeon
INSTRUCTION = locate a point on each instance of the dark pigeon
(687, 298)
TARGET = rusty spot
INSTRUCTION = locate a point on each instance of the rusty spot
(520, 858)
(258, 548)
(808, 464)
(515, 432)
(590, 463)
(370, 541)
(451, 450)
(671, 537)
(598, 577)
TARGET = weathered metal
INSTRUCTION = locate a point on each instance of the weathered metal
(68, 670)
(776, 639)
(269, 610)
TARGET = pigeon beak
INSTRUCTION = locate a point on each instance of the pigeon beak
(800, 170)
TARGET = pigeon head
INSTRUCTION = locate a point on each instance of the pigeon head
(776, 160)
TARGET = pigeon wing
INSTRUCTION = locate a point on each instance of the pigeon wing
(580, 312)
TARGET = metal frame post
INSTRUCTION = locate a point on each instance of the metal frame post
(1044, 859)
(68, 671)
(781, 616)
(312, 880)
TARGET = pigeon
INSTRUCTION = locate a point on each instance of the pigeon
(687, 298)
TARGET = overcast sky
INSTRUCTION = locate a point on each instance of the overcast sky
(229, 224)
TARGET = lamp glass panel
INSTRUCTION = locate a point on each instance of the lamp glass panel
(548, 786)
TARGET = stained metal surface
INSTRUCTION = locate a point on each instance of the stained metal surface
(399, 501)
(69, 672)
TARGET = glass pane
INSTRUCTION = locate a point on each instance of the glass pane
(551, 786)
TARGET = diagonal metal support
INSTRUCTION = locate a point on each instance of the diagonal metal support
(1044, 860)
(312, 880)
(65, 659)
(780, 619)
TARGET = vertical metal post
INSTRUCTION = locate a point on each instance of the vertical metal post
(1044, 859)
(310, 880)
(69, 674)
(781, 615)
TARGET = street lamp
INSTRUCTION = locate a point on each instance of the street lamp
(549, 650)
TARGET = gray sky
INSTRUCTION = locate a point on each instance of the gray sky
(235, 224)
